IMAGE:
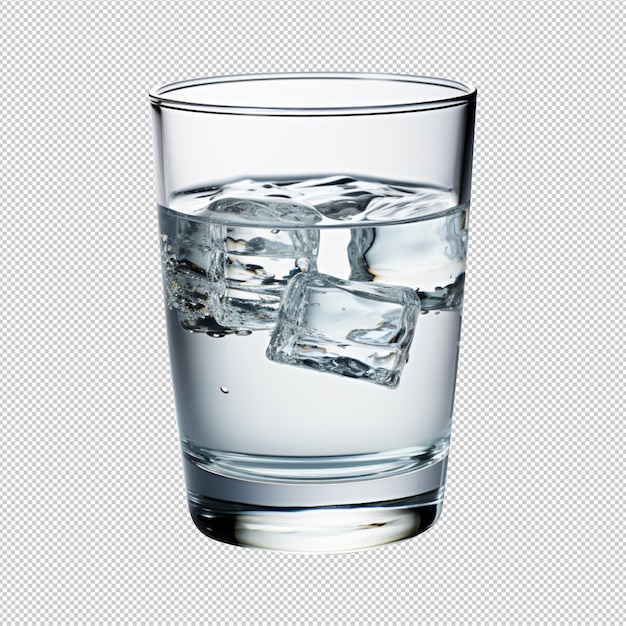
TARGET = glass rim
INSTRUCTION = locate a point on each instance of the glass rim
(466, 93)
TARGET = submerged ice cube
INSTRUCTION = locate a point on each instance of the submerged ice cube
(253, 267)
(354, 329)
(223, 279)
(189, 282)
(427, 255)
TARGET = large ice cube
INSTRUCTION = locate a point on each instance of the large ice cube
(426, 255)
(253, 267)
(354, 329)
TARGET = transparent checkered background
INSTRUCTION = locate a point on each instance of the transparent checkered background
(94, 526)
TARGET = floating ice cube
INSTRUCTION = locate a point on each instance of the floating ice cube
(253, 268)
(427, 255)
(256, 202)
(340, 197)
(354, 329)
(409, 204)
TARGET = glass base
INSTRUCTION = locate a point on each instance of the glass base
(323, 529)
(330, 529)
(331, 515)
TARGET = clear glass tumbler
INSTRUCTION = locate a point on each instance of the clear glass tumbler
(313, 233)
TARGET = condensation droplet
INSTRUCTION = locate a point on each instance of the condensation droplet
(224, 389)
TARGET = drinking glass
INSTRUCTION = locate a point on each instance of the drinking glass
(313, 238)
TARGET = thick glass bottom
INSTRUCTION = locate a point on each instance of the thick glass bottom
(339, 515)
(329, 529)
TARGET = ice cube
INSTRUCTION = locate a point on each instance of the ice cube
(254, 266)
(340, 197)
(256, 202)
(353, 329)
(189, 276)
(403, 203)
(427, 255)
